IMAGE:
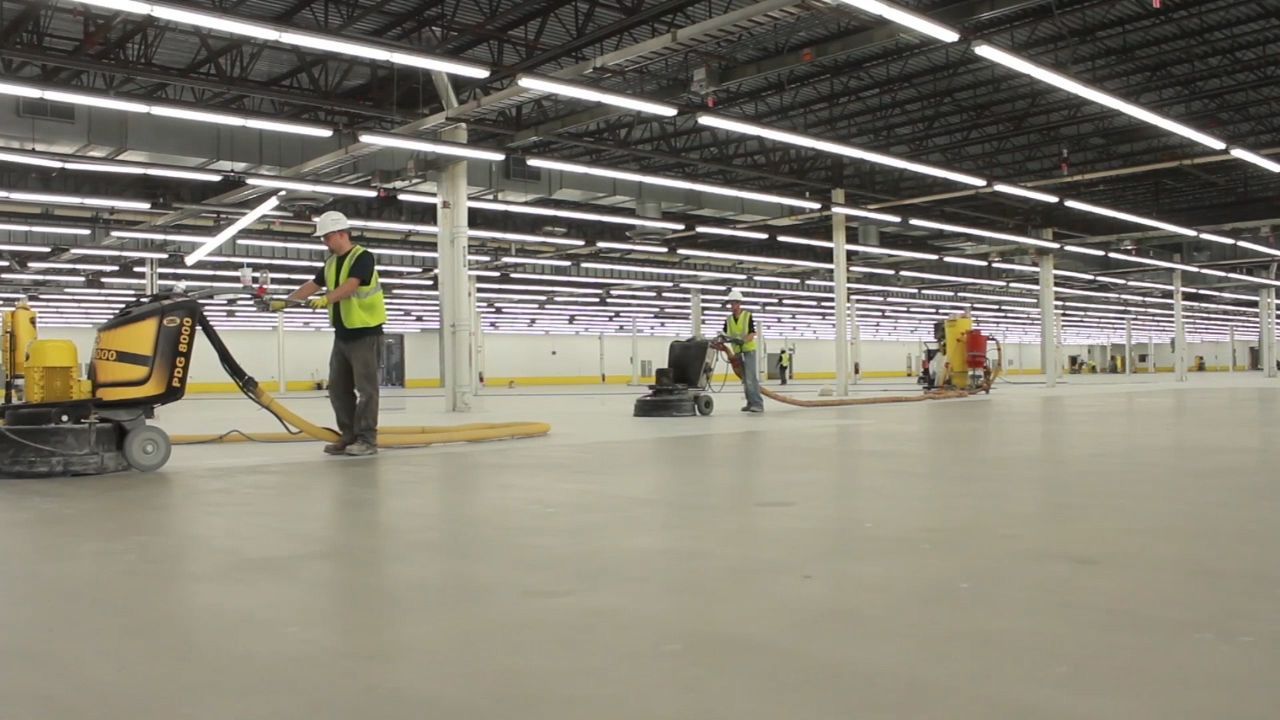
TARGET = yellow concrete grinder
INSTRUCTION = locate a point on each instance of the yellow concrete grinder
(56, 423)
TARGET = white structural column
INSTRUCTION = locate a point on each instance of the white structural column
(1048, 323)
(635, 353)
(603, 376)
(840, 258)
(1267, 331)
(1179, 331)
(457, 305)
(1151, 354)
(153, 277)
(1128, 346)
(284, 382)
(695, 311)
(1231, 356)
(477, 369)
(855, 358)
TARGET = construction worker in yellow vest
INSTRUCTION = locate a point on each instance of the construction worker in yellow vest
(740, 327)
(353, 298)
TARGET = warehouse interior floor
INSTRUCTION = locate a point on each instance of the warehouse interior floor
(1105, 549)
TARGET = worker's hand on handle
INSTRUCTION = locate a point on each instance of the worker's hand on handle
(277, 305)
(319, 302)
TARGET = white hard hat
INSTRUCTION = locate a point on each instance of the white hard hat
(735, 295)
(332, 221)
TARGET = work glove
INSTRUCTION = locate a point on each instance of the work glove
(277, 305)
(319, 303)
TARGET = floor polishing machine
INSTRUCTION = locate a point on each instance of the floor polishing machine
(57, 423)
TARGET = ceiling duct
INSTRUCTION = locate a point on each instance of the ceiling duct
(652, 210)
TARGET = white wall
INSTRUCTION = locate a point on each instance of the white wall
(523, 356)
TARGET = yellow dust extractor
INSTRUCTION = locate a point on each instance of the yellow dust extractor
(64, 425)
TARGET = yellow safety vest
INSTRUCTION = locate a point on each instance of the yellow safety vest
(786, 360)
(365, 308)
(739, 328)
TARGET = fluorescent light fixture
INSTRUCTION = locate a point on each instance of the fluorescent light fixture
(98, 101)
(102, 252)
(804, 141)
(878, 250)
(1084, 250)
(533, 82)
(289, 127)
(952, 278)
(88, 267)
(671, 183)
(451, 67)
(47, 229)
(593, 280)
(25, 248)
(1107, 212)
(523, 209)
(984, 233)
(110, 103)
(168, 237)
(521, 237)
(535, 261)
(331, 188)
(53, 278)
(1062, 82)
(230, 231)
(419, 198)
(214, 22)
(1256, 159)
(964, 260)
(438, 147)
(731, 232)
(805, 241)
(327, 44)
(1217, 238)
(29, 160)
(74, 200)
(856, 212)
(871, 270)
(753, 258)
(1256, 247)
(906, 18)
(657, 249)
(662, 270)
(124, 168)
(1024, 192)
(1073, 274)
(775, 278)
(128, 6)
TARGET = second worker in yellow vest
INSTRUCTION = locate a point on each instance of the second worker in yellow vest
(741, 328)
(353, 299)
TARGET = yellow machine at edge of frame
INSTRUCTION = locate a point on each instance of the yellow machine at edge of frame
(56, 423)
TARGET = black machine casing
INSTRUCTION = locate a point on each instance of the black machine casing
(681, 388)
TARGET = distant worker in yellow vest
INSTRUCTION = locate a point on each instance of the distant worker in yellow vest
(353, 297)
(740, 327)
(784, 365)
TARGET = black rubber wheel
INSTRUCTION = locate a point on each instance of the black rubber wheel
(705, 404)
(147, 448)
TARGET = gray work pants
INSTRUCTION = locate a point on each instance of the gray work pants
(353, 370)
(751, 380)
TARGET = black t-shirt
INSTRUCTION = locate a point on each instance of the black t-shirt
(363, 268)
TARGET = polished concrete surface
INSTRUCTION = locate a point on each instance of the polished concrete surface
(1106, 549)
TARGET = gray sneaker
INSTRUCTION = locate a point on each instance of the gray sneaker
(361, 449)
(755, 410)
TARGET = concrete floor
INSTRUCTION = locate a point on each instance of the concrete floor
(1103, 550)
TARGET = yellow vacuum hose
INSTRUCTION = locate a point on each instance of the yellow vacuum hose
(389, 437)
(736, 363)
